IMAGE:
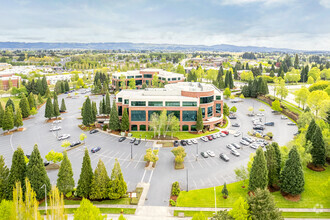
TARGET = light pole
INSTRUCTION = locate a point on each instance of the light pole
(131, 152)
(215, 201)
(197, 151)
(187, 181)
(44, 186)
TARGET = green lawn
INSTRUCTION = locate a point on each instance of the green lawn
(123, 201)
(180, 134)
(315, 194)
(103, 211)
(292, 107)
(4, 100)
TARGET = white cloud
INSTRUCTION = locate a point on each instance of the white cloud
(325, 3)
(265, 2)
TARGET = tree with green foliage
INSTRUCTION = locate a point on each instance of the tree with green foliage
(155, 81)
(36, 173)
(107, 104)
(233, 109)
(87, 112)
(310, 130)
(44, 85)
(10, 103)
(117, 187)
(18, 119)
(55, 105)
(124, 121)
(273, 176)
(63, 107)
(94, 111)
(8, 119)
(199, 216)
(32, 101)
(17, 171)
(131, 83)
(86, 176)
(224, 191)
(24, 106)
(292, 175)
(318, 148)
(259, 173)
(100, 181)
(227, 93)
(2, 112)
(54, 157)
(40, 100)
(315, 100)
(49, 110)
(114, 123)
(87, 211)
(278, 157)
(65, 181)
(7, 210)
(242, 174)
(301, 96)
(276, 105)
(240, 209)
(4, 174)
(199, 121)
(225, 109)
(262, 206)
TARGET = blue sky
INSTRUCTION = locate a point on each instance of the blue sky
(297, 24)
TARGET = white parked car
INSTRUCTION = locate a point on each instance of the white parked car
(194, 141)
(210, 153)
(189, 142)
(244, 142)
(223, 135)
(238, 133)
(63, 137)
(284, 117)
(57, 121)
(260, 114)
(218, 135)
(204, 139)
(55, 128)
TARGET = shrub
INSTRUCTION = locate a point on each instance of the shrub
(105, 127)
(270, 134)
(258, 135)
(172, 202)
(320, 85)
(176, 189)
(68, 195)
(267, 138)
(249, 133)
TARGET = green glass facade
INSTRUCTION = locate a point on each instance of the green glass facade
(186, 104)
(217, 108)
(189, 115)
(172, 103)
(151, 112)
(138, 115)
(204, 100)
(210, 111)
(155, 103)
(138, 103)
(175, 113)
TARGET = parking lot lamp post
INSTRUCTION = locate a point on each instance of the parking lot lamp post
(215, 201)
(44, 186)
(197, 151)
(131, 152)
(187, 181)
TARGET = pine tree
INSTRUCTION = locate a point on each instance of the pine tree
(94, 111)
(32, 101)
(10, 103)
(40, 100)
(2, 112)
(48, 93)
(278, 157)
(67, 86)
(292, 175)
(117, 186)
(63, 107)
(124, 121)
(55, 105)
(86, 176)
(227, 80)
(240, 209)
(44, 86)
(4, 174)
(8, 119)
(262, 206)
(224, 190)
(310, 130)
(49, 110)
(101, 107)
(87, 113)
(100, 181)
(199, 121)
(65, 181)
(114, 118)
(107, 104)
(36, 173)
(24, 106)
(17, 171)
(231, 82)
(272, 168)
(296, 62)
(318, 148)
(18, 118)
(258, 174)
(104, 107)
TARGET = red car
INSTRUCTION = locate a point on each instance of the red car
(209, 137)
(225, 132)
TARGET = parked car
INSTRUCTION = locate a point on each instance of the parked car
(238, 133)
(183, 142)
(132, 140)
(61, 111)
(55, 128)
(121, 139)
(254, 146)
(63, 137)
(223, 135)
(194, 141)
(236, 146)
(95, 149)
(57, 121)
(291, 123)
(189, 142)
(231, 147)
(260, 114)
(28, 156)
(258, 127)
(232, 116)
(209, 137)
(270, 123)
(249, 140)
(225, 132)
(218, 134)
(137, 142)
(251, 114)
(235, 125)
(46, 163)
(244, 142)
(234, 152)
(93, 131)
(75, 143)
(176, 143)
(284, 117)
(204, 154)
(205, 139)
(224, 157)
(214, 136)
(210, 153)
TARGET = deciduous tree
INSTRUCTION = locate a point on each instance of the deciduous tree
(240, 210)
(87, 211)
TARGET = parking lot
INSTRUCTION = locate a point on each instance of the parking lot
(203, 172)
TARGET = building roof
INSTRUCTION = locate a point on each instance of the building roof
(162, 73)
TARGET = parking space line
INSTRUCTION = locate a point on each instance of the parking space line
(144, 173)
(195, 184)
(205, 159)
(191, 165)
(152, 171)
(216, 179)
(138, 161)
(201, 180)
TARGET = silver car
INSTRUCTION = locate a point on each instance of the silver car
(231, 147)
(55, 128)
(210, 153)
(63, 137)
(235, 153)
(244, 142)
(194, 141)
(236, 146)
(189, 142)
(237, 134)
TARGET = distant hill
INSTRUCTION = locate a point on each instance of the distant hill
(142, 46)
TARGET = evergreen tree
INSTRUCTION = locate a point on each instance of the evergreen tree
(94, 111)
(101, 107)
(114, 118)
(125, 121)
(48, 93)
(221, 84)
(231, 81)
(310, 131)
(8, 119)
(44, 86)
(86, 176)
(66, 86)
(104, 107)
(318, 148)
(17, 171)
(4, 174)
(296, 62)
(49, 110)
(227, 80)
(36, 173)
(24, 106)
(87, 113)
(2, 112)
(278, 157)
(117, 185)
(258, 174)
(240, 210)
(65, 181)
(224, 190)
(32, 101)
(40, 100)
(235, 74)
(262, 206)
(292, 175)
(107, 103)
(199, 121)
(55, 105)
(10, 103)
(272, 168)
(254, 89)
(63, 107)
(100, 181)
(18, 118)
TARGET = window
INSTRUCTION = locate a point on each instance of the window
(207, 99)
(151, 112)
(168, 79)
(138, 82)
(148, 76)
(138, 103)
(126, 101)
(133, 127)
(203, 112)
(175, 113)
(210, 111)
(193, 128)
(120, 99)
(189, 115)
(185, 127)
(120, 110)
(218, 97)
(218, 108)
(138, 76)
(142, 127)
(189, 103)
(154, 103)
(179, 78)
(173, 79)
(172, 103)
(130, 77)
(138, 115)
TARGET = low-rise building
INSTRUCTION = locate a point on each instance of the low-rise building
(182, 99)
(146, 76)
(4, 66)
(9, 80)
